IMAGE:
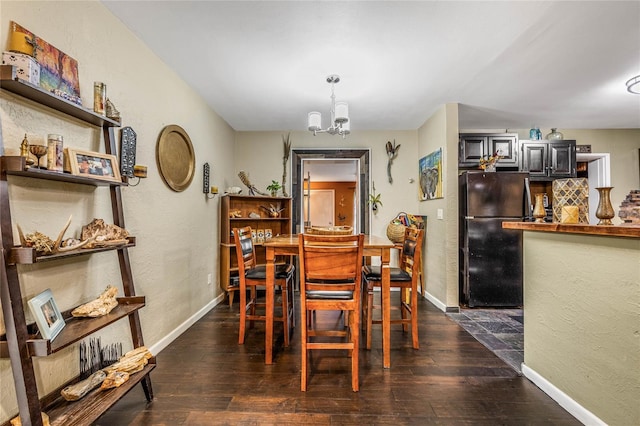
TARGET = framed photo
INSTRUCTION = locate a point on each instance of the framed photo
(93, 164)
(47, 315)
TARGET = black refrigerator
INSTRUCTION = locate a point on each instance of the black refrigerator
(491, 257)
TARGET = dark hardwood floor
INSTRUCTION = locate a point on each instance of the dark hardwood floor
(205, 378)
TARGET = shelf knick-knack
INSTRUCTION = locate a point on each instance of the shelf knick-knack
(539, 212)
(555, 135)
(605, 210)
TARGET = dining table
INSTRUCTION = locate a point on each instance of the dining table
(374, 246)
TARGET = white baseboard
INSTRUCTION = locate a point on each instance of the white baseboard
(576, 410)
(166, 340)
(438, 304)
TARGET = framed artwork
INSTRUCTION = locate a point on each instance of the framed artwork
(430, 172)
(93, 164)
(47, 315)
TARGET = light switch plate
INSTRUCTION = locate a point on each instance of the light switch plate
(440, 214)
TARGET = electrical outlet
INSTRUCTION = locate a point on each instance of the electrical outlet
(210, 279)
(440, 214)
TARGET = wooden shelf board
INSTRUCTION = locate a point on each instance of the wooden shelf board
(244, 219)
(10, 82)
(88, 409)
(77, 329)
(26, 255)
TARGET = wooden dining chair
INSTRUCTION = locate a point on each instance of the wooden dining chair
(406, 278)
(251, 276)
(330, 280)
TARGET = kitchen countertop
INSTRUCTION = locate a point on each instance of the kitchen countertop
(628, 231)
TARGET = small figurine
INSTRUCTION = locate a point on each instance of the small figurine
(24, 151)
(112, 112)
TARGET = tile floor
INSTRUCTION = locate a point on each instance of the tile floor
(500, 330)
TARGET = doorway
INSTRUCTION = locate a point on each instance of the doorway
(596, 168)
(359, 159)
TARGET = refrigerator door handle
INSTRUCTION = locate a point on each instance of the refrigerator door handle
(469, 217)
(528, 204)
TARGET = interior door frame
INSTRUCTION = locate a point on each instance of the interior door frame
(300, 154)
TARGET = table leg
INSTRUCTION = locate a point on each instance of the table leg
(270, 284)
(386, 308)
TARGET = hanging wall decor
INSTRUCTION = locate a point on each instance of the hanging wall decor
(392, 153)
(176, 157)
(128, 140)
(430, 172)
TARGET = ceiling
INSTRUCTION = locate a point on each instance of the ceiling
(262, 65)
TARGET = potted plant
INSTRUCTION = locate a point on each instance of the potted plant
(274, 187)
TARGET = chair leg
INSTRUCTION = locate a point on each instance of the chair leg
(285, 312)
(230, 294)
(304, 321)
(369, 313)
(404, 303)
(355, 339)
(414, 317)
(243, 314)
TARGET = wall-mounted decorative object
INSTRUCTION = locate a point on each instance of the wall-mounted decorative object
(586, 149)
(430, 172)
(286, 146)
(244, 177)
(92, 164)
(374, 199)
(176, 157)
(47, 315)
(58, 71)
(392, 153)
(209, 191)
(128, 140)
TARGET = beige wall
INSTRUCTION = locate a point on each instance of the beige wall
(176, 232)
(260, 155)
(441, 251)
(582, 320)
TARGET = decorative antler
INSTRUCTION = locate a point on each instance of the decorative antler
(252, 189)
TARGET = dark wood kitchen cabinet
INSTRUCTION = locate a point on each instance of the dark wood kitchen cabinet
(474, 146)
(545, 160)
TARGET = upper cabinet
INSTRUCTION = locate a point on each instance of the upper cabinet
(548, 159)
(474, 146)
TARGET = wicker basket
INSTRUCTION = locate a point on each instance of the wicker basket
(336, 230)
(395, 232)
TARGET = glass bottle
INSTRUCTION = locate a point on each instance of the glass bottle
(555, 135)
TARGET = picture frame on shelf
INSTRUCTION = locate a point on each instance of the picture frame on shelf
(92, 164)
(47, 315)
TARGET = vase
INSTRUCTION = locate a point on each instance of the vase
(604, 212)
(490, 168)
(539, 212)
(555, 135)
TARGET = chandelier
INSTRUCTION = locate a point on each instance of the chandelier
(340, 124)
